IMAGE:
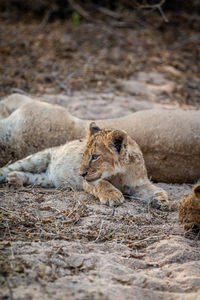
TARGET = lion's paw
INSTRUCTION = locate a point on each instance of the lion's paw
(15, 178)
(160, 200)
(112, 198)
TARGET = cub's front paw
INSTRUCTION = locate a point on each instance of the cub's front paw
(160, 200)
(112, 198)
(15, 178)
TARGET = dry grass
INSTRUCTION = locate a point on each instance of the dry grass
(34, 217)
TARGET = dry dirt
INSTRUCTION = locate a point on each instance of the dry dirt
(64, 244)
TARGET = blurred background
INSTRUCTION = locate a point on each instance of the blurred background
(58, 47)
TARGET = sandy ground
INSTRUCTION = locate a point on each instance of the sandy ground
(65, 245)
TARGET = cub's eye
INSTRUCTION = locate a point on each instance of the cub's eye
(94, 157)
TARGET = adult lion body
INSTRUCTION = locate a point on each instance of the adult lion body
(169, 139)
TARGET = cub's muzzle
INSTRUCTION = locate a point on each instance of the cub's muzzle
(83, 174)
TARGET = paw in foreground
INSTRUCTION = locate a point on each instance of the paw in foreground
(160, 200)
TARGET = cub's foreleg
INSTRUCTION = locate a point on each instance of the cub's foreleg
(156, 196)
(135, 182)
(105, 192)
(30, 170)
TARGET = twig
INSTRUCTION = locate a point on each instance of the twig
(72, 74)
(75, 72)
(90, 62)
(80, 10)
(45, 19)
(149, 238)
(16, 90)
(108, 12)
(100, 230)
(60, 83)
(123, 24)
(73, 211)
(162, 14)
(47, 15)
(159, 7)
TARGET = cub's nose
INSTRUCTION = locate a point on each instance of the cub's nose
(83, 174)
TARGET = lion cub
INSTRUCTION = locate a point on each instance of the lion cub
(113, 165)
(110, 163)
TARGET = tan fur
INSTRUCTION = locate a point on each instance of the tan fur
(59, 167)
(189, 210)
(169, 139)
(54, 167)
(35, 126)
(113, 164)
(12, 103)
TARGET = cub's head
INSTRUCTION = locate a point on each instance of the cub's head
(105, 154)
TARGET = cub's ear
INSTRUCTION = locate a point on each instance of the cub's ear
(196, 190)
(93, 128)
(118, 140)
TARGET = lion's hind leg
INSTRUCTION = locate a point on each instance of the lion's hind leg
(30, 170)
(18, 178)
